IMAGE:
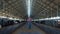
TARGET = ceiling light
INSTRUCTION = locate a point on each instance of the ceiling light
(29, 5)
(29, 8)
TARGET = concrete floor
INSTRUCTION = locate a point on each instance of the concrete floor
(25, 30)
